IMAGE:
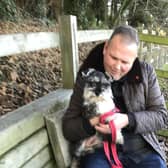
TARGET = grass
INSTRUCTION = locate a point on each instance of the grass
(165, 67)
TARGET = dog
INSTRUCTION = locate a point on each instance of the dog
(98, 99)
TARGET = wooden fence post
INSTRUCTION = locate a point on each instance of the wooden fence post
(69, 49)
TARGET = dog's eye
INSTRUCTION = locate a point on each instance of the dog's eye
(105, 85)
(92, 84)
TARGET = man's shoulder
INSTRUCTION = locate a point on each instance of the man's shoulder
(94, 59)
(145, 65)
(147, 68)
(99, 47)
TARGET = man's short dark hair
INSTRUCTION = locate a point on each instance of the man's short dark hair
(129, 32)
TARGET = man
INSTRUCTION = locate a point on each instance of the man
(137, 95)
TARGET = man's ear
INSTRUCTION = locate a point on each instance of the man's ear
(105, 47)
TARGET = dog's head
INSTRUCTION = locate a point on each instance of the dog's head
(97, 90)
(96, 82)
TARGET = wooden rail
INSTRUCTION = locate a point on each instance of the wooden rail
(154, 39)
(26, 42)
(162, 73)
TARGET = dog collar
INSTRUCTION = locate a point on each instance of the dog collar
(107, 114)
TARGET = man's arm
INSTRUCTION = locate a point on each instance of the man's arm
(155, 116)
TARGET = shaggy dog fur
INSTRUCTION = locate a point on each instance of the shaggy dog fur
(98, 99)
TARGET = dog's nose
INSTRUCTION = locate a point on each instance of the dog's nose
(97, 92)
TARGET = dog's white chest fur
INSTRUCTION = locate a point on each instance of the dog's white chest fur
(98, 97)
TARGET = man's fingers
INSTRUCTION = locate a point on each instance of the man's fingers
(103, 128)
(92, 141)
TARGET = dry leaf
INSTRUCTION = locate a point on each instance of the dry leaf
(13, 75)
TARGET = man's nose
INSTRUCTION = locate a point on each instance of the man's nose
(118, 66)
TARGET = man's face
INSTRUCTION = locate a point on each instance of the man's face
(119, 56)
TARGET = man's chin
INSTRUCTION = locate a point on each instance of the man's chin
(116, 78)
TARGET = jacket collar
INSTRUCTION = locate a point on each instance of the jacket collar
(95, 60)
(135, 74)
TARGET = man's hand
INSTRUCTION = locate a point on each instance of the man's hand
(91, 141)
(94, 121)
(120, 121)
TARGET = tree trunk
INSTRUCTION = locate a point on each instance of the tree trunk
(58, 8)
(118, 13)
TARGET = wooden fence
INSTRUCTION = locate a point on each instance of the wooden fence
(24, 138)
(153, 49)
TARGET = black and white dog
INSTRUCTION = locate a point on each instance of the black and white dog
(98, 99)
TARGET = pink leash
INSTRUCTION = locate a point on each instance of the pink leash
(117, 163)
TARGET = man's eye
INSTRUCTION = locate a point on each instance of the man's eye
(114, 58)
(125, 62)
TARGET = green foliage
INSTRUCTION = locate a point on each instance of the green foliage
(8, 10)
(117, 14)
(82, 16)
(150, 13)
(79, 9)
(36, 8)
(141, 17)
(98, 8)
(159, 10)
(90, 14)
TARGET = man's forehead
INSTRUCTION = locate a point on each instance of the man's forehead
(123, 39)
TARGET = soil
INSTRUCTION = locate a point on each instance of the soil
(29, 76)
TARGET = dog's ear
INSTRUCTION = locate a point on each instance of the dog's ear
(109, 77)
(87, 72)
